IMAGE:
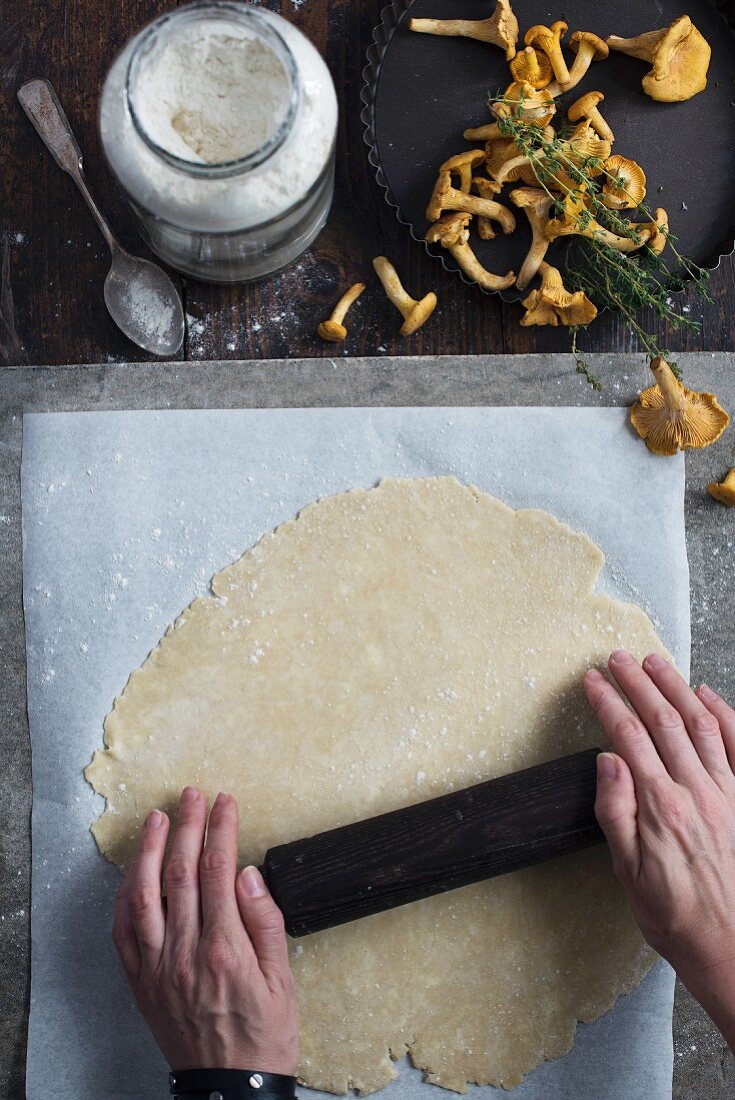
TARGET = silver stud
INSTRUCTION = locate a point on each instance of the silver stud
(216, 1096)
(255, 1081)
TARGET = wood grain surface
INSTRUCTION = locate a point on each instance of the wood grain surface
(54, 261)
(502, 825)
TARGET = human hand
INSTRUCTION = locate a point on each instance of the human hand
(666, 803)
(209, 966)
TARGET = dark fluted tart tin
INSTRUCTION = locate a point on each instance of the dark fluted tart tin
(421, 91)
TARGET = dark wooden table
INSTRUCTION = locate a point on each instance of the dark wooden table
(54, 260)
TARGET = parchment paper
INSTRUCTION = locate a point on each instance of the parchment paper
(126, 516)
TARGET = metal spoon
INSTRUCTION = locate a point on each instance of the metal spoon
(140, 297)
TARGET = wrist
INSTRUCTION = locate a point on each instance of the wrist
(230, 1084)
(713, 986)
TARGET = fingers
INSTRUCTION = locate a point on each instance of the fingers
(182, 871)
(123, 933)
(218, 867)
(701, 725)
(616, 810)
(628, 735)
(662, 720)
(142, 898)
(264, 924)
(725, 715)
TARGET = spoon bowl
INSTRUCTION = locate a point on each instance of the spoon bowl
(144, 303)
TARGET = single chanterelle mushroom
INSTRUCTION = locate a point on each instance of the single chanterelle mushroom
(577, 221)
(588, 48)
(661, 221)
(463, 165)
(501, 29)
(553, 304)
(446, 197)
(671, 418)
(548, 39)
(414, 312)
(724, 491)
(537, 204)
(531, 66)
(679, 55)
(625, 184)
(453, 233)
(332, 329)
(526, 102)
(587, 107)
(486, 189)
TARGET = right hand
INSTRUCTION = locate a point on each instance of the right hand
(666, 803)
(209, 969)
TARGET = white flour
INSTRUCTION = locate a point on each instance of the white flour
(212, 96)
(209, 92)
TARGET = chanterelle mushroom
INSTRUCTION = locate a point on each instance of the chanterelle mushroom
(587, 106)
(526, 102)
(724, 491)
(414, 312)
(625, 184)
(453, 233)
(670, 418)
(501, 29)
(588, 48)
(446, 197)
(487, 189)
(507, 163)
(553, 304)
(531, 66)
(332, 329)
(661, 220)
(463, 164)
(549, 39)
(537, 204)
(679, 55)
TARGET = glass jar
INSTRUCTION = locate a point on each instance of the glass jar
(219, 122)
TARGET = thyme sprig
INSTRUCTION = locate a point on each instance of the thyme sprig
(626, 282)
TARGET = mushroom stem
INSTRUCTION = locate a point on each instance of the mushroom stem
(471, 266)
(446, 197)
(333, 329)
(643, 46)
(489, 132)
(414, 311)
(452, 233)
(589, 47)
(537, 205)
(506, 219)
(669, 384)
(549, 39)
(501, 29)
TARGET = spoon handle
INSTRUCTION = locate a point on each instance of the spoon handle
(41, 103)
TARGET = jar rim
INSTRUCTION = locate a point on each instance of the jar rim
(247, 15)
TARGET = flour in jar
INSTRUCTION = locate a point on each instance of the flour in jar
(212, 96)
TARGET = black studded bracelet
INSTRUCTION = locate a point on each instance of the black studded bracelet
(230, 1084)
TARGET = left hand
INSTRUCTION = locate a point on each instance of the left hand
(209, 966)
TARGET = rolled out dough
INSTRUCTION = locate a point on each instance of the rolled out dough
(384, 647)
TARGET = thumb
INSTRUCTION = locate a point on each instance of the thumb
(616, 810)
(263, 922)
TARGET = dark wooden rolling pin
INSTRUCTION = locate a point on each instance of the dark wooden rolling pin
(495, 827)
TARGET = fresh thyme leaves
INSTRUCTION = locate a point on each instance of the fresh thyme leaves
(581, 366)
(615, 262)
